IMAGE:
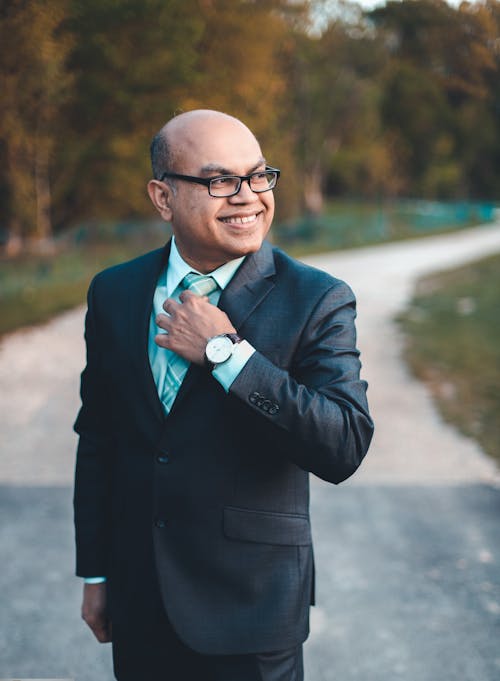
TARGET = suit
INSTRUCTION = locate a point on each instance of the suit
(217, 491)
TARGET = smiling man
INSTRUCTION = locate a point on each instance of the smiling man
(220, 372)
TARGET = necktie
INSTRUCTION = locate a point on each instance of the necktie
(200, 284)
(177, 366)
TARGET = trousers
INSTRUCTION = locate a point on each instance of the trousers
(147, 648)
(152, 651)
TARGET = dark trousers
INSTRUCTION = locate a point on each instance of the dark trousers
(146, 647)
(151, 651)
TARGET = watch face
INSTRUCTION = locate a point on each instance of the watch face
(219, 349)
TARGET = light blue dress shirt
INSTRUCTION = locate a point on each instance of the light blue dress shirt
(168, 286)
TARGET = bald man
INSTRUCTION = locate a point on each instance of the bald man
(220, 372)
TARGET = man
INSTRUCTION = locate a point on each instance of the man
(205, 402)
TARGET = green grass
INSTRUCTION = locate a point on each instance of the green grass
(452, 325)
(453, 344)
(352, 223)
(33, 289)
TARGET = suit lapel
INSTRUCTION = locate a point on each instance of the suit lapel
(249, 286)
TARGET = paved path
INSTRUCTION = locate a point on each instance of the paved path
(408, 551)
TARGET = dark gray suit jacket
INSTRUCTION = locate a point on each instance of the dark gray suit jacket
(217, 490)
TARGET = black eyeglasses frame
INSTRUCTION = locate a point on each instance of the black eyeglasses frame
(207, 181)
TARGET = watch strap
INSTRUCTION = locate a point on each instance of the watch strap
(234, 337)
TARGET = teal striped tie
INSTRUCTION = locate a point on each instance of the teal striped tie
(177, 366)
(200, 284)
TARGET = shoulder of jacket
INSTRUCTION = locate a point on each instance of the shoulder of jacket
(130, 268)
(304, 274)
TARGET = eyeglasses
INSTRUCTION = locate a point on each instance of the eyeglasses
(223, 186)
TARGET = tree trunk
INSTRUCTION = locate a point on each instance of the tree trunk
(14, 243)
(43, 233)
(313, 190)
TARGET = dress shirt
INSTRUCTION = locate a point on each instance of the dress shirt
(168, 286)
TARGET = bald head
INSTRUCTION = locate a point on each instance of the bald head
(198, 149)
(181, 137)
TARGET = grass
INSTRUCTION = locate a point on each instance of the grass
(34, 289)
(452, 325)
(453, 344)
(352, 223)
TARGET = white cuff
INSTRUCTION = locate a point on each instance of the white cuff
(227, 372)
(94, 580)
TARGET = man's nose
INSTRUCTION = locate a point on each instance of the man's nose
(245, 194)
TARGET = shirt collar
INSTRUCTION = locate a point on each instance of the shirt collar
(178, 268)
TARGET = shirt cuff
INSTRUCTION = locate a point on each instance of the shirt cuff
(227, 372)
(94, 580)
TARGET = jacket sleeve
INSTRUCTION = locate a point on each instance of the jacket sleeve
(93, 461)
(317, 411)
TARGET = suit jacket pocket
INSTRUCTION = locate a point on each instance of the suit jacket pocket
(267, 527)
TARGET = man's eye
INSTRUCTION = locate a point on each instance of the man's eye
(221, 181)
(260, 179)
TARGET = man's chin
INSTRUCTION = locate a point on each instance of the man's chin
(249, 243)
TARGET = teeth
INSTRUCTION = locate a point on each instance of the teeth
(240, 221)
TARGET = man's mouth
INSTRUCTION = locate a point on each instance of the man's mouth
(239, 219)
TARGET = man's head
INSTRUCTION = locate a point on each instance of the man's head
(209, 230)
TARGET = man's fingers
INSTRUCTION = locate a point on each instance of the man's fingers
(103, 634)
(94, 611)
(99, 625)
(163, 340)
(186, 295)
(170, 305)
(163, 321)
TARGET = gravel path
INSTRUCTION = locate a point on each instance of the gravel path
(407, 551)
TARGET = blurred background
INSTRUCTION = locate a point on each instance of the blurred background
(384, 119)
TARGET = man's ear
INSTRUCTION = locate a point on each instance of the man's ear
(160, 194)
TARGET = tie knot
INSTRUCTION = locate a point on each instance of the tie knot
(200, 284)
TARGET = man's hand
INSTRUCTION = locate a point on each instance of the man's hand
(94, 611)
(190, 324)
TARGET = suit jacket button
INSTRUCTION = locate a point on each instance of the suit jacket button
(160, 523)
(162, 458)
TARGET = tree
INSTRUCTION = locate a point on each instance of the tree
(136, 63)
(132, 61)
(33, 82)
(242, 69)
(335, 104)
(439, 93)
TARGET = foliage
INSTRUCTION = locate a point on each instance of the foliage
(440, 94)
(34, 288)
(34, 81)
(335, 112)
(399, 101)
(452, 328)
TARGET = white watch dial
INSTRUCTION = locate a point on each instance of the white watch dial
(219, 349)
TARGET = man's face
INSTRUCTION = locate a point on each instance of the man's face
(210, 231)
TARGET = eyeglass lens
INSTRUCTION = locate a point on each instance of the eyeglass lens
(259, 182)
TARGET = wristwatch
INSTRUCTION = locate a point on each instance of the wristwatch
(220, 348)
